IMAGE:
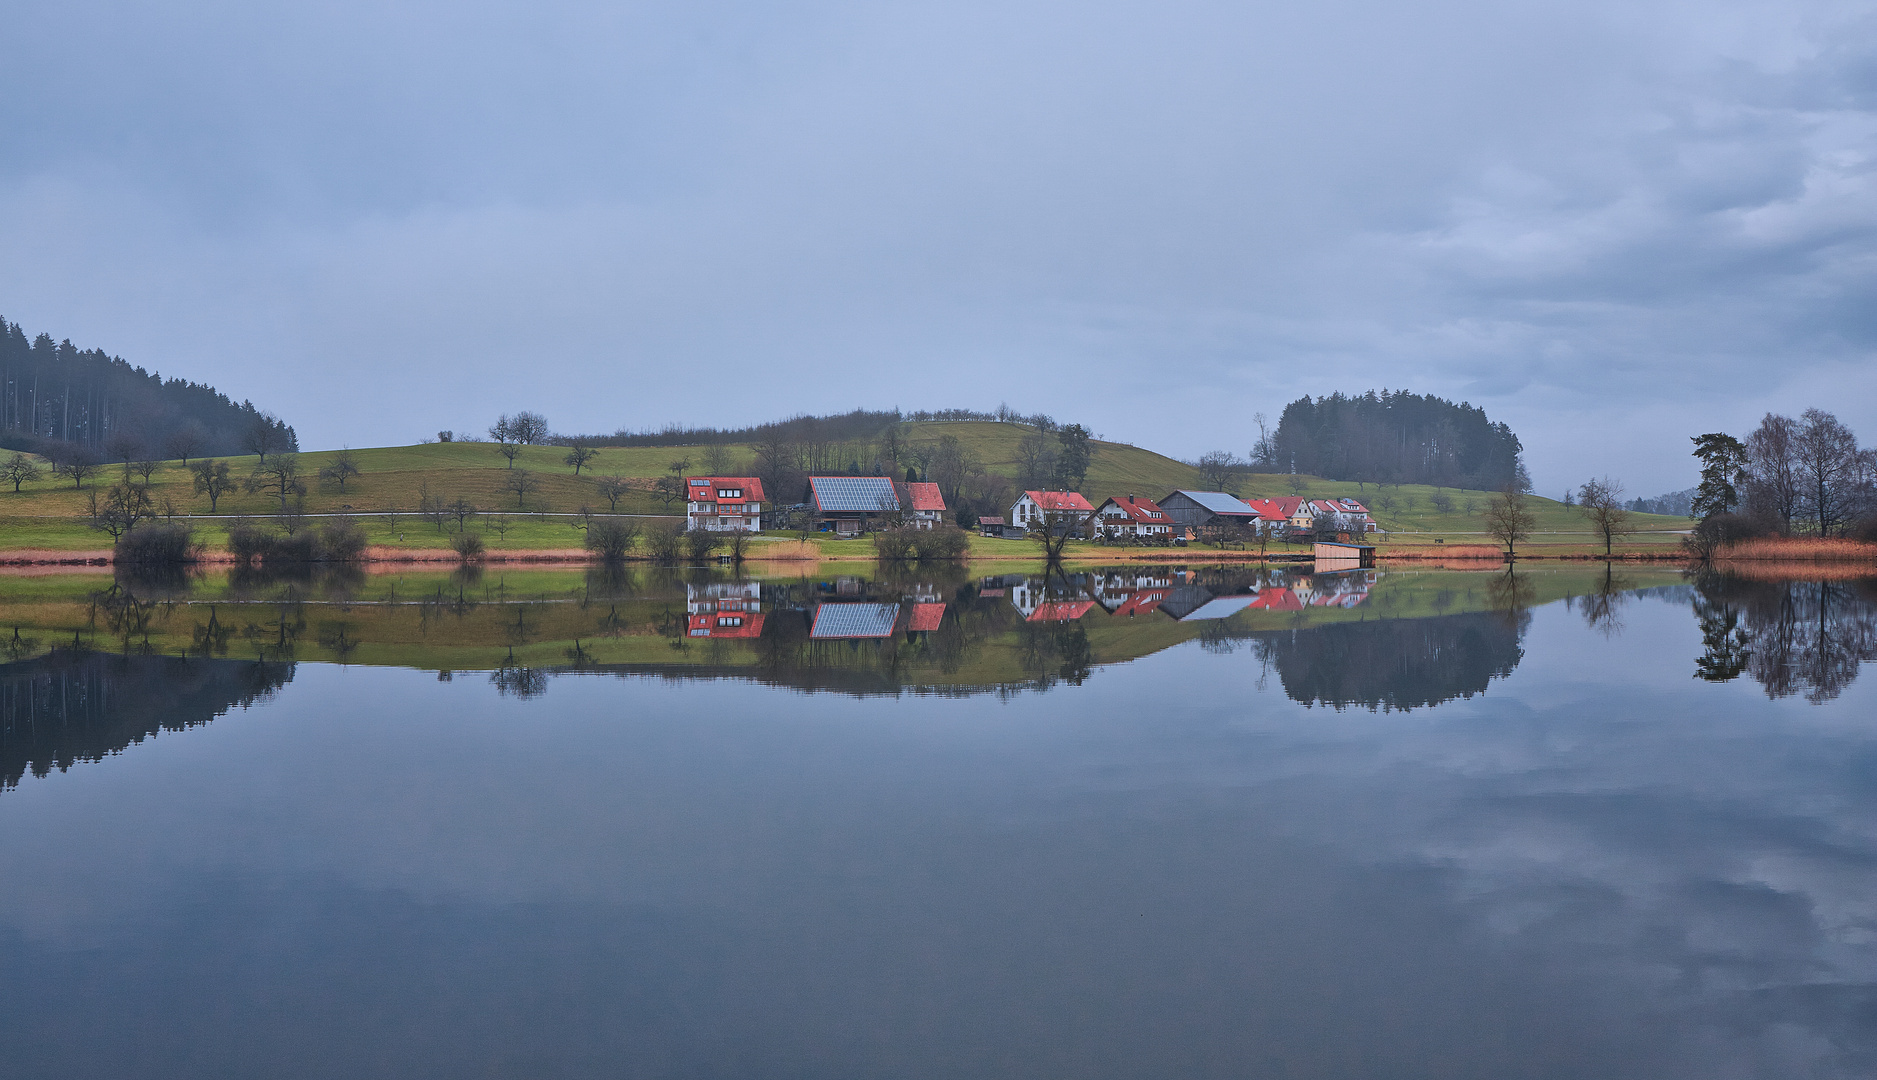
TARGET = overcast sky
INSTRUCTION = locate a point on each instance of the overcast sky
(1611, 224)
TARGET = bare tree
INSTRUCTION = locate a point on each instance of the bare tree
(79, 465)
(528, 428)
(509, 450)
(186, 441)
(718, 460)
(19, 469)
(499, 525)
(460, 510)
(1217, 467)
(1829, 468)
(120, 510)
(1442, 502)
(145, 468)
(343, 467)
(266, 435)
(671, 487)
(212, 479)
(579, 454)
(1509, 519)
(1773, 481)
(613, 488)
(1264, 452)
(279, 477)
(1036, 459)
(522, 483)
(123, 445)
(1602, 502)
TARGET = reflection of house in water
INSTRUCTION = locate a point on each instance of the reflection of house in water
(1047, 599)
(1127, 592)
(838, 620)
(1344, 589)
(724, 609)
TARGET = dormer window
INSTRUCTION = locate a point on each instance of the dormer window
(729, 493)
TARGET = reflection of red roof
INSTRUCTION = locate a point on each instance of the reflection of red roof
(1060, 611)
(1275, 599)
(1060, 500)
(705, 488)
(712, 625)
(926, 496)
(926, 616)
(1142, 602)
(1141, 510)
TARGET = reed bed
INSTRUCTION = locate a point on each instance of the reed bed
(1799, 549)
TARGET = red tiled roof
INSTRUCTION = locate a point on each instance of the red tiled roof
(751, 488)
(1060, 500)
(926, 496)
(926, 616)
(1060, 611)
(1335, 506)
(1141, 510)
(1274, 509)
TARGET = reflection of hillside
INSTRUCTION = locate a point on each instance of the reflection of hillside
(1792, 637)
(1395, 663)
(71, 706)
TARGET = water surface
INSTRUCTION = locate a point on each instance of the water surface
(1125, 823)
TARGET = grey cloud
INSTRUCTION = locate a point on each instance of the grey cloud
(1624, 222)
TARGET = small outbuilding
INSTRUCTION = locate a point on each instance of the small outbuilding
(1337, 556)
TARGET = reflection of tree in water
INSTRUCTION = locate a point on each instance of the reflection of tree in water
(1055, 651)
(1603, 608)
(1792, 637)
(76, 705)
(514, 679)
(1395, 663)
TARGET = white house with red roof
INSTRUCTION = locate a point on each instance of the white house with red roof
(1062, 511)
(922, 503)
(724, 503)
(1344, 511)
(1129, 515)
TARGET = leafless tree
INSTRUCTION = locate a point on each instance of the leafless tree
(1509, 519)
(145, 468)
(1602, 502)
(579, 454)
(612, 489)
(499, 525)
(1773, 477)
(343, 467)
(1218, 467)
(186, 441)
(671, 487)
(212, 479)
(1829, 468)
(122, 446)
(1442, 502)
(522, 483)
(263, 437)
(509, 450)
(120, 510)
(460, 510)
(528, 428)
(77, 464)
(280, 477)
(718, 461)
(19, 469)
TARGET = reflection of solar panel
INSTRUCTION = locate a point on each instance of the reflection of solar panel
(854, 620)
(854, 494)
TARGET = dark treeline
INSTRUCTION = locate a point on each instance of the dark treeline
(73, 706)
(1804, 476)
(1395, 664)
(58, 398)
(856, 426)
(1393, 438)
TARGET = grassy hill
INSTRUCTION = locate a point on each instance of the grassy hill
(394, 477)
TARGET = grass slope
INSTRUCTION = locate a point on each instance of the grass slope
(44, 514)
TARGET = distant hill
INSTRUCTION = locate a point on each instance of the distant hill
(57, 398)
(1113, 469)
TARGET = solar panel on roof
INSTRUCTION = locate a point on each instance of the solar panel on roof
(854, 620)
(854, 494)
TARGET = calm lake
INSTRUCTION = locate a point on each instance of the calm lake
(1141, 822)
